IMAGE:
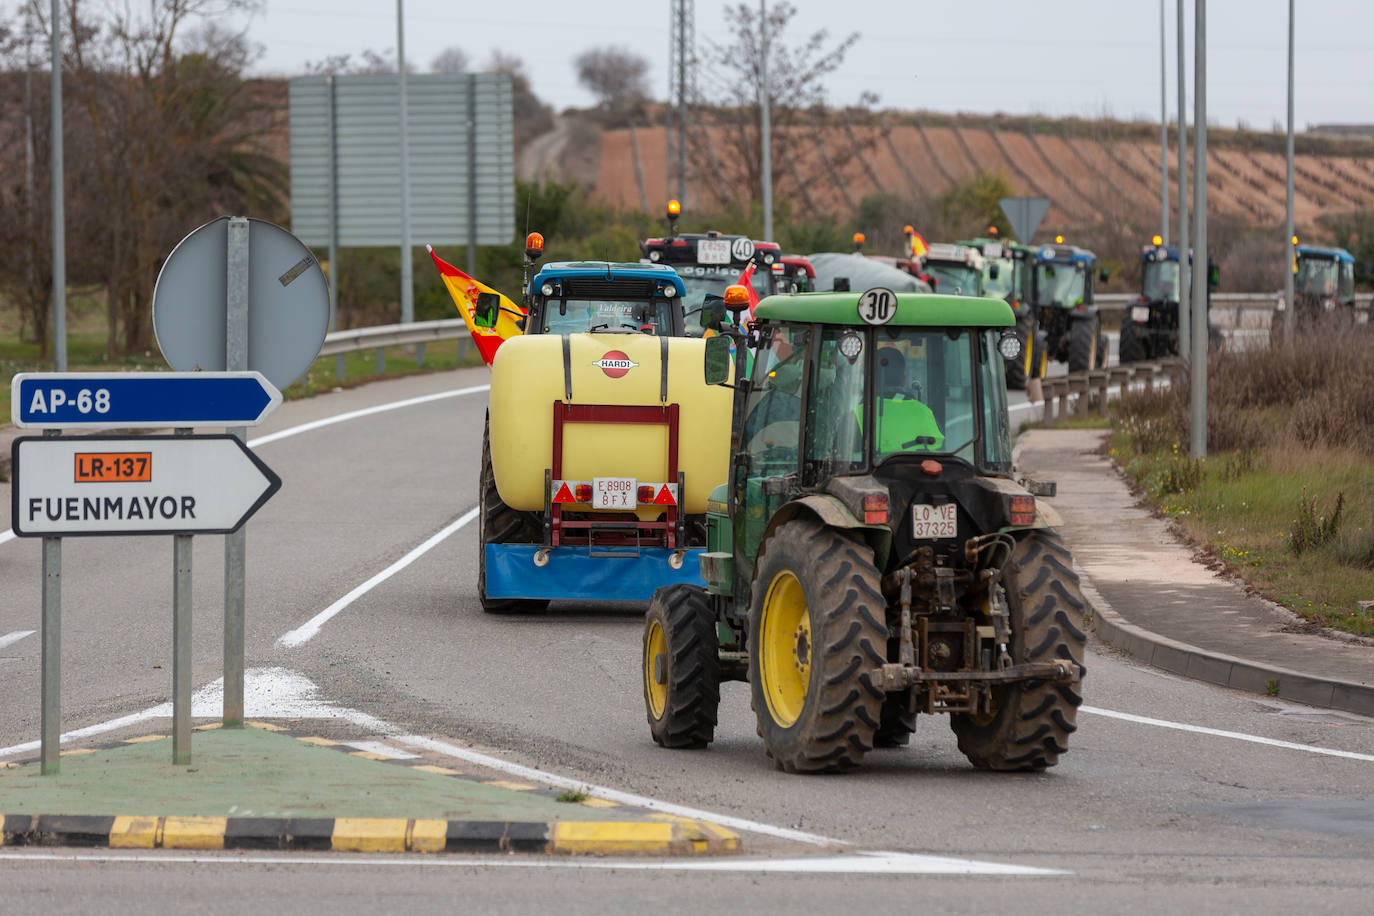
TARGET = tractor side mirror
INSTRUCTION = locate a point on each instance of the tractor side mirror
(485, 310)
(716, 361)
(1213, 276)
(1042, 488)
(841, 285)
(993, 271)
(1104, 275)
(713, 314)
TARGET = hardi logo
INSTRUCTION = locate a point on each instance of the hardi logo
(615, 363)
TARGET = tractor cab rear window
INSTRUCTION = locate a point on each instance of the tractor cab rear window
(579, 316)
(956, 279)
(1059, 284)
(923, 398)
(1322, 277)
(1005, 282)
(1160, 281)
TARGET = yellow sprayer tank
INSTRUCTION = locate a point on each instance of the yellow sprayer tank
(531, 372)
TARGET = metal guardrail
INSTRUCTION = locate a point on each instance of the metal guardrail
(1091, 387)
(417, 334)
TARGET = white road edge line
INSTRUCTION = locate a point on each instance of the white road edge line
(9, 535)
(893, 863)
(1222, 733)
(311, 628)
(10, 639)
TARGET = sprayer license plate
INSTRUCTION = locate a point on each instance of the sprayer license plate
(1140, 313)
(614, 493)
(931, 522)
(713, 251)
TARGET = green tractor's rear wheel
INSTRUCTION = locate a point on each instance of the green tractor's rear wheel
(681, 667)
(500, 524)
(1083, 344)
(1021, 368)
(1031, 721)
(816, 632)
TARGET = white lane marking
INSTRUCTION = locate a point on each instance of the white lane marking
(382, 749)
(10, 639)
(9, 535)
(311, 628)
(1222, 733)
(866, 863)
(268, 693)
(365, 412)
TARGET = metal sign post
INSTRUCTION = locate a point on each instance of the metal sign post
(235, 544)
(181, 643)
(50, 727)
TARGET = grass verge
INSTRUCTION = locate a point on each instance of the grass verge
(1285, 498)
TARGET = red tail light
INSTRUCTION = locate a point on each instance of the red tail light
(875, 509)
(644, 493)
(584, 492)
(1022, 510)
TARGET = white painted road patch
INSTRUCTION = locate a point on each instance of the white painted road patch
(10, 639)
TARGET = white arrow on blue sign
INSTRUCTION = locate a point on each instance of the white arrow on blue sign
(140, 400)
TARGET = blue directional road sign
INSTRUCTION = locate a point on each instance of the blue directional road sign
(140, 400)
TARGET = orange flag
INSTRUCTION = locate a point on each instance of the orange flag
(463, 290)
(746, 280)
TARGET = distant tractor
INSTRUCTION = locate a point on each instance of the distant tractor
(1149, 326)
(602, 442)
(1067, 319)
(1324, 284)
(871, 558)
(957, 269)
(1007, 273)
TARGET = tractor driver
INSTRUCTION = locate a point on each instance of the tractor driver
(904, 423)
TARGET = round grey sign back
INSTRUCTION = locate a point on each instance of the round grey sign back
(288, 302)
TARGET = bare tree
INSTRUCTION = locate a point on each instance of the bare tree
(727, 109)
(615, 75)
(450, 60)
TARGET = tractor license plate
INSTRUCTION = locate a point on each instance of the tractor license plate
(713, 251)
(931, 522)
(614, 493)
(1140, 313)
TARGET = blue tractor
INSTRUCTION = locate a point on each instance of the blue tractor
(1069, 326)
(1324, 283)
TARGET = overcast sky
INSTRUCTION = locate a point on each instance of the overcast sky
(1056, 57)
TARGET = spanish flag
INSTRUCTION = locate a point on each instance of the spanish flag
(463, 290)
(746, 279)
(918, 245)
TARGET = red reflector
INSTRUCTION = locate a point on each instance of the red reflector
(875, 517)
(644, 493)
(564, 494)
(679, 243)
(1023, 518)
(1023, 504)
(584, 492)
(931, 467)
(875, 501)
(665, 497)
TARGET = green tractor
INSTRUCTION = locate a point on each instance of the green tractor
(1007, 273)
(870, 557)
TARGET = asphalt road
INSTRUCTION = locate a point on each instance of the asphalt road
(1140, 814)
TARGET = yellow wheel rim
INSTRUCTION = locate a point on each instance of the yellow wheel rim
(785, 648)
(1044, 363)
(1030, 355)
(655, 647)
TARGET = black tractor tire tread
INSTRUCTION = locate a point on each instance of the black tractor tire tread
(692, 697)
(842, 710)
(1083, 340)
(1131, 347)
(1032, 727)
(500, 524)
(896, 724)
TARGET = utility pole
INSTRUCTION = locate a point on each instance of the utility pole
(764, 129)
(681, 45)
(407, 270)
(1163, 135)
(59, 218)
(1288, 244)
(1198, 439)
(1184, 317)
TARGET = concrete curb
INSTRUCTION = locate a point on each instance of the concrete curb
(667, 837)
(1224, 670)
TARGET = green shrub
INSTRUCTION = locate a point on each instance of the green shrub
(1311, 530)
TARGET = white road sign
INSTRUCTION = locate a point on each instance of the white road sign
(120, 485)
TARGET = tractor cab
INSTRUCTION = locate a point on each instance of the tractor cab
(710, 261)
(1325, 281)
(957, 269)
(1066, 318)
(600, 297)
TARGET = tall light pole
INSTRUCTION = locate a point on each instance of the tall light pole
(407, 278)
(1288, 246)
(1198, 438)
(763, 126)
(1184, 335)
(1163, 137)
(59, 217)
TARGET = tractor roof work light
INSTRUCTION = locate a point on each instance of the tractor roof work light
(1157, 240)
(858, 241)
(674, 211)
(534, 246)
(992, 231)
(1059, 239)
(736, 297)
